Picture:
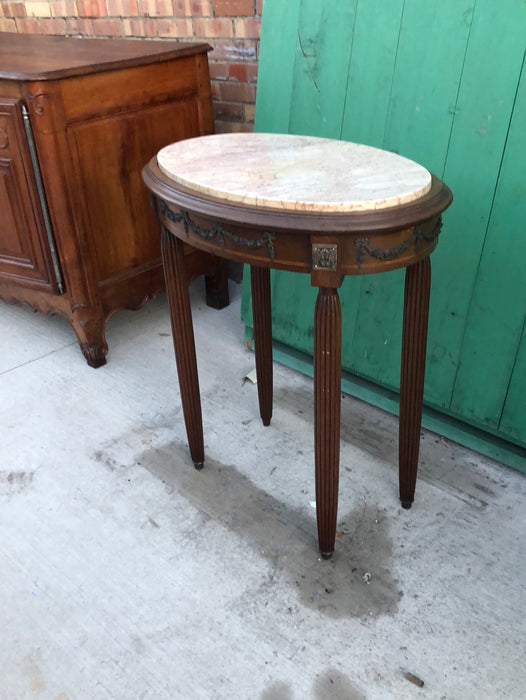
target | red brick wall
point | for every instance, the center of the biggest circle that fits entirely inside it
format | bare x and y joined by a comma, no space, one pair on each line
232,27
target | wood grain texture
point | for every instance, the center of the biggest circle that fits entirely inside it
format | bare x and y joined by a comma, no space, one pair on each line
262,315
184,343
327,397
414,338
47,57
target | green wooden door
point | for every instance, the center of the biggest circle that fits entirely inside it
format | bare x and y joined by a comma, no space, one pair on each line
443,84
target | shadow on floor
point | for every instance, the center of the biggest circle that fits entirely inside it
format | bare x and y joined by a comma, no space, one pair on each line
355,582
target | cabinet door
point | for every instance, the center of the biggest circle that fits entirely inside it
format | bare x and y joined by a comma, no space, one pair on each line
111,152
25,255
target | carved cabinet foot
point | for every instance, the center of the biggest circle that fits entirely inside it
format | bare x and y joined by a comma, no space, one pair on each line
89,327
215,270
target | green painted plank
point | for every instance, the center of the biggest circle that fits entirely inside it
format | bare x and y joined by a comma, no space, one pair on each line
350,293
497,311
484,107
371,71
377,336
448,108
424,88
429,60
481,441
293,301
513,420
246,300
323,50
276,65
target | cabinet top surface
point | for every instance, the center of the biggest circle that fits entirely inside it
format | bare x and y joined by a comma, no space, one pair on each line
294,173
45,57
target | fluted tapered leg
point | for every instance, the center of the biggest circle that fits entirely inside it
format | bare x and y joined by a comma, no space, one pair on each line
414,339
327,398
262,315
184,344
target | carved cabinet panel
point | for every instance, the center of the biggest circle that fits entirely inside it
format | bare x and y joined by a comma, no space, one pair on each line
24,252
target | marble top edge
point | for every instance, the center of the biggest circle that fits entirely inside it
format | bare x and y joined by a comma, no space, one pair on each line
294,173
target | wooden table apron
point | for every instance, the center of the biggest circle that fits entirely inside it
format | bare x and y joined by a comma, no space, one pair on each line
328,247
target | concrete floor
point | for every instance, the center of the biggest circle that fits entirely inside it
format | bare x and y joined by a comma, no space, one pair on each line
127,574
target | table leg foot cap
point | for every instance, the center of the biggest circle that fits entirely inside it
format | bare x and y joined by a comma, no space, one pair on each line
406,504
199,465
326,555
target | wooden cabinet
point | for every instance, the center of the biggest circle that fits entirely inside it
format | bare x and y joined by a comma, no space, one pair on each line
78,120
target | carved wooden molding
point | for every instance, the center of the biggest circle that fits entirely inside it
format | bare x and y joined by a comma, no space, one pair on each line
418,235
218,232
38,102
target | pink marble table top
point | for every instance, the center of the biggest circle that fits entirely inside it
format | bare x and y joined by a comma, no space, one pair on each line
294,173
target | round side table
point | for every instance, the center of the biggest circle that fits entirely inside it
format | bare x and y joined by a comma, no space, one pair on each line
316,206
